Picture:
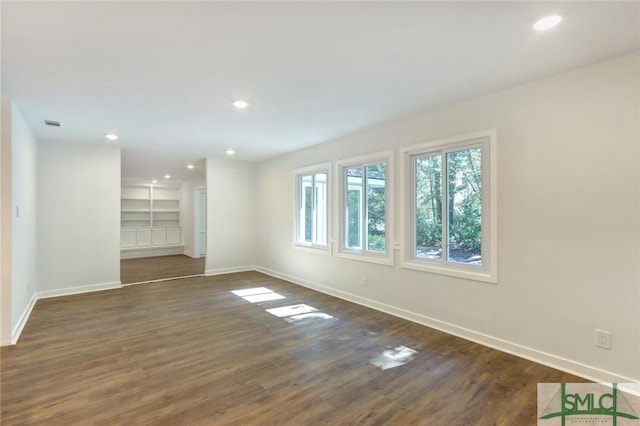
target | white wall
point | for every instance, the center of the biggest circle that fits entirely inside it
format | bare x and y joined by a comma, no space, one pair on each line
5,224
24,251
187,213
78,217
569,192
230,216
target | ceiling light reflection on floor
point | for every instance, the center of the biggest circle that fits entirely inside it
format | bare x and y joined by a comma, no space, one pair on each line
394,357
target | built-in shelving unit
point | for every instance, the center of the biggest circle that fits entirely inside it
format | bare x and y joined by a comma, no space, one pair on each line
150,220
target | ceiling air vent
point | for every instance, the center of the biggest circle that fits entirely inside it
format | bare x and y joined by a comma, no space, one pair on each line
52,123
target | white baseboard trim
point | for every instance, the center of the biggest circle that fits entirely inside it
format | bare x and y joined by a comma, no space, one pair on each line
22,321
151,251
80,289
576,368
164,279
231,270
191,255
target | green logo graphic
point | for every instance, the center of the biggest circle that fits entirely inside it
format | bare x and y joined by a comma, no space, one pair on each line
588,404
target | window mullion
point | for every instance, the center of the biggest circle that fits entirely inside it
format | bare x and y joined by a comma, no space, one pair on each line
444,180
345,208
365,210
414,213
314,211
360,211
346,216
300,214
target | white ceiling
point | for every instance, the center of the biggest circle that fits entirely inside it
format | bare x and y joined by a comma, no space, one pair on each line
163,74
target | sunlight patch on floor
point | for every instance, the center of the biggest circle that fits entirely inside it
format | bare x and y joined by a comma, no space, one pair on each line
292,313
308,316
287,311
258,294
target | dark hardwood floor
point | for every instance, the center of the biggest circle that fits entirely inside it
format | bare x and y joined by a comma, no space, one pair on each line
191,352
160,267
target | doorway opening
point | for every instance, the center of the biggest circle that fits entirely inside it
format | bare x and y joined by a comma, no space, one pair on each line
163,227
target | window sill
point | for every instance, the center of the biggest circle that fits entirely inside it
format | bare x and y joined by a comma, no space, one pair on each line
313,249
371,258
465,273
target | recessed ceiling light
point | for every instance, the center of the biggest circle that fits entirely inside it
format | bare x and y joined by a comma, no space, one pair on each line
230,152
167,176
190,166
547,22
240,104
111,136
154,181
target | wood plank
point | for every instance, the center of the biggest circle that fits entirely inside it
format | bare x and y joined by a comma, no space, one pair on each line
159,267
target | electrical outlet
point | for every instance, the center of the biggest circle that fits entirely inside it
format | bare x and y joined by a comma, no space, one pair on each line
603,339
365,281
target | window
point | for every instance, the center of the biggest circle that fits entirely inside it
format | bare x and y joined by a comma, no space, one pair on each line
312,207
451,207
364,215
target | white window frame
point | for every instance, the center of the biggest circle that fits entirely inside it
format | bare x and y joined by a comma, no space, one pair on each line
488,271
362,254
305,171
